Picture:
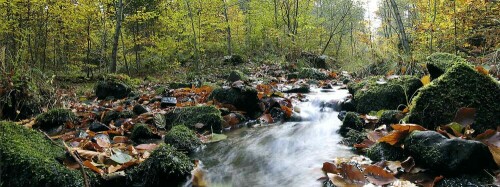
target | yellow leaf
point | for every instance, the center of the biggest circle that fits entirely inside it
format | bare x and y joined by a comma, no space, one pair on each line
481,70
426,79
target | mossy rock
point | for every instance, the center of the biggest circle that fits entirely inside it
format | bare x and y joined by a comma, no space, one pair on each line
182,138
461,86
28,158
236,75
438,63
116,90
311,73
209,116
391,117
387,95
244,99
234,59
351,121
481,178
114,115
448,156
166,165
353,137
55,118
23,101
141,132
385,152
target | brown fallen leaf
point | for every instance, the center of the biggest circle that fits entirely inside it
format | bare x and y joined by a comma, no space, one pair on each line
339,181
92,167
87,154
147,147
352,173
408,127
120,139
465,116
394,137
267,118
329,167
378,175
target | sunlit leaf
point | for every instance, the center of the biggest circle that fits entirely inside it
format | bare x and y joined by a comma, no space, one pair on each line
426,79
482,70
92,167
408,127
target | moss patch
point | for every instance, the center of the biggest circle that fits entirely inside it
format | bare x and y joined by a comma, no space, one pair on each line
236,75
29,159
55,118
384,151
461,86
311,73
244,99
165,166
351,121
437,63
209,116
182,138
141,131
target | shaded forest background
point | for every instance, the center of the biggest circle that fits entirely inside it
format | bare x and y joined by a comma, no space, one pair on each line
144,37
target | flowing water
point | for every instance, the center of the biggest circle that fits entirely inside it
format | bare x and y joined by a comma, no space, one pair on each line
289,154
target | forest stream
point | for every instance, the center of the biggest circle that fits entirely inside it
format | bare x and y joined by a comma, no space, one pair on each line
287,154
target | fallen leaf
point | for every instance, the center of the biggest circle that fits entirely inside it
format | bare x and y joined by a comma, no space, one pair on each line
378,175
339,181
120,139
215,138
426,79
394,137
482,70
146,146
408,164
288,111
92,167
465,116
408,127
329,167
87,154
352,173
267,118
495,151
120,157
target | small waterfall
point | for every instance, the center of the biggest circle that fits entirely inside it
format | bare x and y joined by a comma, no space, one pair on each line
289,154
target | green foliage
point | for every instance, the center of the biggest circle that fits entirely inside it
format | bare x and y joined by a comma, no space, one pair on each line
461,86
182,138
30,159
54,118
165,166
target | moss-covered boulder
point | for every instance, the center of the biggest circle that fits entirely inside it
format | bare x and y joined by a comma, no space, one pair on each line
351,121
461,86
200,118
312,73
353,137
55,118
385,152
28,159
112,88
236,75
438,63
391,117
244,99
234,59
481,178
182,138
165,166
448,156
141,132
386,94
22,100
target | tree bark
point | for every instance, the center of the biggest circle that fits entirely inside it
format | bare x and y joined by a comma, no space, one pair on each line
228,29
195,44
116,36
401,28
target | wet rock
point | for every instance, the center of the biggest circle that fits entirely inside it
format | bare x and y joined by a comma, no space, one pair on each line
182,138
236,75
277,114
481,178
109,88
28,158
244,99
351,121
385,152
141,132
234,60
379,93
391,117
168,101
353,137
438,63
449,156
312,73
209,116
303,88
54,119
461,86
342,115
317,61
98,127
140,109
115,115
166,165
348,105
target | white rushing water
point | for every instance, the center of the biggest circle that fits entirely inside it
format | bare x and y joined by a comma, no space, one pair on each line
289,154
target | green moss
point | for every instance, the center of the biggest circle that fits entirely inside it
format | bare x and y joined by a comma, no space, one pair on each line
481,178
28,159
236,75
164,166
353,137
384,151
55,118
390,95
461,86
182,138
190,116
312,73
244,99
391,117
141,131
114,115
351,121
438,63
353,87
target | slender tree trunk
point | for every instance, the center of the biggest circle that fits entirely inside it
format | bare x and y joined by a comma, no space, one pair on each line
455,26
401,28
124,51
195,44
116,36
228,29
334,29
136,48
88,47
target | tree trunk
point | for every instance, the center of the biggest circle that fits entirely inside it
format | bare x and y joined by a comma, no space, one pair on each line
116,36
195,44
333,31
124,54
228,29
401,28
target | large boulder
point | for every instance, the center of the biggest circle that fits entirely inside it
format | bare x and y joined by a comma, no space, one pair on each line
461,86
142,132
21,100
351,121
236,75
438,63
54,119
448,156
165,166
244,99
28,158
481,178
317,61
199,118
311,73
182,138
109,88
382,151
371,95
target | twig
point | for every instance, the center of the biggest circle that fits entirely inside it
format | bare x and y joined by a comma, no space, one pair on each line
85,177
48,137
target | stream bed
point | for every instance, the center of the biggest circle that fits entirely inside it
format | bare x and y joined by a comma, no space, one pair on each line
289,154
